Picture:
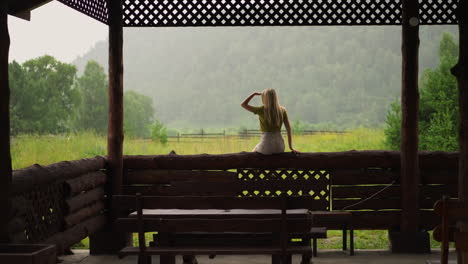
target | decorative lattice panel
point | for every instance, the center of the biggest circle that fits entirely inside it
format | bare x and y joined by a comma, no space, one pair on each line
438,11
45,217
314,183
96,9
180,13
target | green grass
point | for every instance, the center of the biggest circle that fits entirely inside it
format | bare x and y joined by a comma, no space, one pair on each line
31,149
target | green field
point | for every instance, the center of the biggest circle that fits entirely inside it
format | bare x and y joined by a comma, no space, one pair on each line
29,149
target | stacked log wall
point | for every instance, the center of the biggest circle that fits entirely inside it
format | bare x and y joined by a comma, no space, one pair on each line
60,204
353,176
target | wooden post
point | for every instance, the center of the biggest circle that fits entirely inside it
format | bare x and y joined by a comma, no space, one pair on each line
115,126
107,241
461,72
408,238
5,156
410,117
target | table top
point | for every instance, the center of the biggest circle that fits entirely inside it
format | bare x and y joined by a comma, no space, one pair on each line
220,213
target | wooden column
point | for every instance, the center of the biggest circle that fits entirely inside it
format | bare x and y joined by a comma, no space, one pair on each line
409,239
108,241
5,157
410,117
115,125
461,72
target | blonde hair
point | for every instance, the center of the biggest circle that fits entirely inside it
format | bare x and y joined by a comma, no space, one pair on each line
273,110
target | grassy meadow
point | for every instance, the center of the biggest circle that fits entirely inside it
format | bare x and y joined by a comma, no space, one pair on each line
31,149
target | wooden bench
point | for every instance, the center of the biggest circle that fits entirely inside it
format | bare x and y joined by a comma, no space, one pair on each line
453,212
280,225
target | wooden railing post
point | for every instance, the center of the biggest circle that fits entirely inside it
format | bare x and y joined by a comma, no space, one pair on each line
5,156
461,72
108,241
408,238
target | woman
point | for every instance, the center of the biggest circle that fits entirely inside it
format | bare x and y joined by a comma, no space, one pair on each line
271,116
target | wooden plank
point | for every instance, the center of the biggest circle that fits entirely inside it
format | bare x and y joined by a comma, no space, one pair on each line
223,188
341,192
30,177
5,160
438,191
217,250
80,201
439,176
115,134
78,232
212,225
349,159
323,160
372,204
363,176
198,202
215,202
84,213
165,176
379,204
85,182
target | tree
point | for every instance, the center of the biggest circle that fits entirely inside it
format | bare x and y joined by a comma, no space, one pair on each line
138,114
439,117
43,97
92,114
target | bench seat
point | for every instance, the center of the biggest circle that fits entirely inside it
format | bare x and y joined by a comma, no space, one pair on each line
215,250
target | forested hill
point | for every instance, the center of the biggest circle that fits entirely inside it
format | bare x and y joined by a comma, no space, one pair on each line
198,76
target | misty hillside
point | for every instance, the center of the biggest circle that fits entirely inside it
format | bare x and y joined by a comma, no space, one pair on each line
198,76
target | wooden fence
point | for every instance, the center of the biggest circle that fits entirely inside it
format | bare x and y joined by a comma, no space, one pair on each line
243,134
354,177
59,204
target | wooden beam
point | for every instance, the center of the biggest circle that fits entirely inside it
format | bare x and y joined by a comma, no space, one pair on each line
461,72
5,156
410,115
115,126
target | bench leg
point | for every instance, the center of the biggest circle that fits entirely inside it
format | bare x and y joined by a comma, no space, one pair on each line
142,259
306,259
275,259
286,259
345,238
167,259
189,259
314,247
351,242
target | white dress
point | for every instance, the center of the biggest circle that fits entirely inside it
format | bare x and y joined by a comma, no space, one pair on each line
270,143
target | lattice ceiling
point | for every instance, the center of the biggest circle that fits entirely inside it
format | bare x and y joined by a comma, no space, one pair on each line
202,13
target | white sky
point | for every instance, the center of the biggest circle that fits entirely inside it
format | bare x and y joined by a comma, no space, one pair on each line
56,30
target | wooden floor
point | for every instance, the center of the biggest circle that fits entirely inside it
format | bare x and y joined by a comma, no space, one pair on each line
325,257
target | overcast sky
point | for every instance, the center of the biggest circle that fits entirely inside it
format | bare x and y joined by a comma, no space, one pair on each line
54,29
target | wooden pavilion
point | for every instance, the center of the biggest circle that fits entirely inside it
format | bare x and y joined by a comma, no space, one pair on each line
72,191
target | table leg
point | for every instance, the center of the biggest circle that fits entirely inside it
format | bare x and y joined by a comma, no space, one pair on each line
314,247
351,242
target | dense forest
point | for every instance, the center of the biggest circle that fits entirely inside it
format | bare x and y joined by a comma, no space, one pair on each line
197,77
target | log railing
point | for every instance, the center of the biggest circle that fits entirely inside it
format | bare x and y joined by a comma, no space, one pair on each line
351,177
60,204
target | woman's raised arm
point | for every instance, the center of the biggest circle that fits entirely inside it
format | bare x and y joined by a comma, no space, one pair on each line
245,103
